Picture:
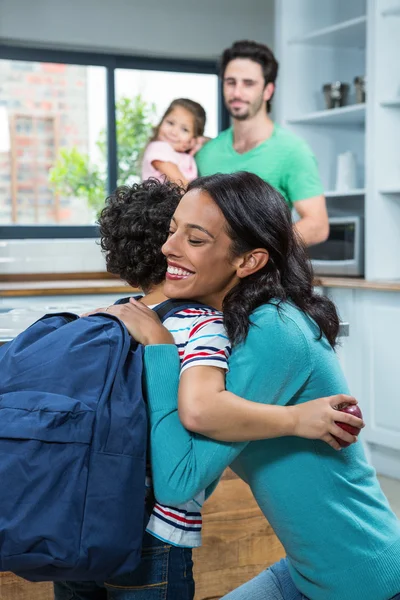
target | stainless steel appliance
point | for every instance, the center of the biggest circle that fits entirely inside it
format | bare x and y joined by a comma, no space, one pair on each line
343,251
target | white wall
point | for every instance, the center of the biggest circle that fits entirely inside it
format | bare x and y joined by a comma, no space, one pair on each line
169,28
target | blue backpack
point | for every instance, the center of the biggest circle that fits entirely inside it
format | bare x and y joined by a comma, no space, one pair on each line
73,438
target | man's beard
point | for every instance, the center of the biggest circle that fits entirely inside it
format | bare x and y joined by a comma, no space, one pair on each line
252,110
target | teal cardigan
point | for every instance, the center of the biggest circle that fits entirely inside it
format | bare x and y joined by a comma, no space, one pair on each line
341,538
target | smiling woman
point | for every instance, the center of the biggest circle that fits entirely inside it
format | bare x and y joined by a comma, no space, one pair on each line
199,261
232,241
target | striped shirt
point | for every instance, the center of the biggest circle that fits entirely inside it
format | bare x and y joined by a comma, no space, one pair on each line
201,339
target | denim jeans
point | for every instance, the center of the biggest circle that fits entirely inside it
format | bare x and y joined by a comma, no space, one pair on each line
274,583
164,573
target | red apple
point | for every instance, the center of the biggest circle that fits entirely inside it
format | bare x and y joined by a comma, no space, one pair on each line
351,409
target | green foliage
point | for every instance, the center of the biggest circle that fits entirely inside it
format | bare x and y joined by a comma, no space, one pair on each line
134,123
73,173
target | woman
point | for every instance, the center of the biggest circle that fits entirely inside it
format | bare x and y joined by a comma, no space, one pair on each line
232,241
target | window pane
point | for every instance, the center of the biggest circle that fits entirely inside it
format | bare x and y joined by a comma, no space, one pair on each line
142,97
52,143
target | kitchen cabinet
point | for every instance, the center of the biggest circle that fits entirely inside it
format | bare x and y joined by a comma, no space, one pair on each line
319,42
370,360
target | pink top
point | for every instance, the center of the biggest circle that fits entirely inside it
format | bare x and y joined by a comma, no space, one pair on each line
163,151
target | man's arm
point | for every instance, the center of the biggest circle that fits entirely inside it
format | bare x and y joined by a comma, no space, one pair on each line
313,225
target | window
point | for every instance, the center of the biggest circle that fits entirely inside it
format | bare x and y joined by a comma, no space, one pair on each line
49,147
59,117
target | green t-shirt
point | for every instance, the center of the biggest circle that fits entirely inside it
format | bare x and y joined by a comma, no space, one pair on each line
284,160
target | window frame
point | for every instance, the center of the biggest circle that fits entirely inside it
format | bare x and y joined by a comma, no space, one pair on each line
111,62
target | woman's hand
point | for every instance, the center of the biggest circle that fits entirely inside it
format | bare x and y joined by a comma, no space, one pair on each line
142,323
316,420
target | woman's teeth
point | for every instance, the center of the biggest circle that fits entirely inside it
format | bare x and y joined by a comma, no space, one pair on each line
176,271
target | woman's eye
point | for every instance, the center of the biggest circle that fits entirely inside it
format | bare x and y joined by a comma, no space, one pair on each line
170,232
196,242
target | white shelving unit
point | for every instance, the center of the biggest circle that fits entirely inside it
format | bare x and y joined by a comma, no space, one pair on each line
342,117
349,34
359,192
393,191
394,103
393,11
320,42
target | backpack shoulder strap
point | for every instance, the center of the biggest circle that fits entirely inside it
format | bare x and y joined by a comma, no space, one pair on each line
126,300
169,307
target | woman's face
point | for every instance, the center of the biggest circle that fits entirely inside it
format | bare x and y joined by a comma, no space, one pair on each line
200,264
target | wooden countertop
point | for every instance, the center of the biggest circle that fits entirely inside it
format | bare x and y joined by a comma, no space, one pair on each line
107,285
65,287
358,284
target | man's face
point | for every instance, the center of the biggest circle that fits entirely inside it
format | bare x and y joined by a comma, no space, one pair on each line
245,92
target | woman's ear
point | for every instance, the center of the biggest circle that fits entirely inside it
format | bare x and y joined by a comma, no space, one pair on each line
251,262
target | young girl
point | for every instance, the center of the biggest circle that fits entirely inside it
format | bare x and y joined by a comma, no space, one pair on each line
168,152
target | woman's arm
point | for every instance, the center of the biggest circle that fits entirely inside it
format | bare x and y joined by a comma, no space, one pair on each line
171,171
183,463
267,369
205,407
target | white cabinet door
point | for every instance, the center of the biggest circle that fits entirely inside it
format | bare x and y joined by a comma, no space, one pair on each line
381,365
348,348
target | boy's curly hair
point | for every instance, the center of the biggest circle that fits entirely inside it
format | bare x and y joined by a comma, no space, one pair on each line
134,226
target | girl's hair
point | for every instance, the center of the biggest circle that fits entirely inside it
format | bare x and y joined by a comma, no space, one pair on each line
134,226
196,110
257,216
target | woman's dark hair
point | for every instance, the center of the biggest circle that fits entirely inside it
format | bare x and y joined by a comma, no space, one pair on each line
257,216
133,227
195,109
256,52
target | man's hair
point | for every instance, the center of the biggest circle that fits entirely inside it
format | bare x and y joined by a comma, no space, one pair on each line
259,53
134,225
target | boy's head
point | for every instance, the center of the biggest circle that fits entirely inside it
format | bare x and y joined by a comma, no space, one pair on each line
133,227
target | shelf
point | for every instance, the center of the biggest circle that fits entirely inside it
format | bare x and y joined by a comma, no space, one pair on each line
391,12
390,191
347,194
348,34
394,103
346,116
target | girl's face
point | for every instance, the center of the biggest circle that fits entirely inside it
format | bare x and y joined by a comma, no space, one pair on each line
198,251
178,129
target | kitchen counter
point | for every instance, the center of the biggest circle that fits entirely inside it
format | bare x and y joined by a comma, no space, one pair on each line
65,287
358,283
107,285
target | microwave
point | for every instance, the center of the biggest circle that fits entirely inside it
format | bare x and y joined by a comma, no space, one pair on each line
342,254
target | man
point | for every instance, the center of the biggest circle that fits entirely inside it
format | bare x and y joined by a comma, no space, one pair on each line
255,143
